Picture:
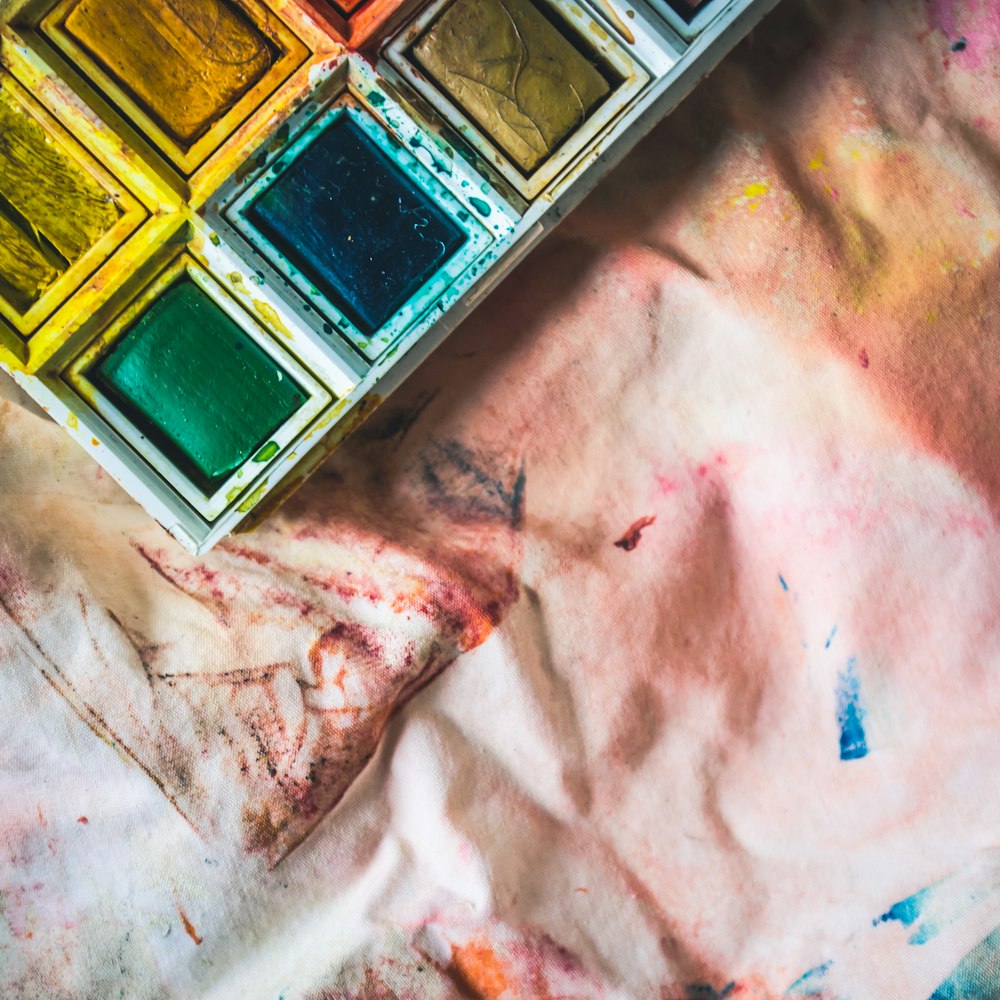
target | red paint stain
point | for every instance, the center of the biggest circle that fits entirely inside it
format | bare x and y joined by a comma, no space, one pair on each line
631,538
189,928
83,820
863,357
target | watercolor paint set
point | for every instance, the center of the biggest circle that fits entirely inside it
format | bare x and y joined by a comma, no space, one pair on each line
229,228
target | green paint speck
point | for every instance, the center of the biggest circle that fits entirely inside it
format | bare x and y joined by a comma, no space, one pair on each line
482,207
267,452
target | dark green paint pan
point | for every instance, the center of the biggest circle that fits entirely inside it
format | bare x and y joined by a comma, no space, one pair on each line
197,386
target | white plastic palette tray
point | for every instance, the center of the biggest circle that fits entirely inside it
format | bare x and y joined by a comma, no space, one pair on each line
649,55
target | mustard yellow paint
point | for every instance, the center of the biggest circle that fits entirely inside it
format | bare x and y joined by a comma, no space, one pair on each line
252,500
270,316
51,212
525,84
187,61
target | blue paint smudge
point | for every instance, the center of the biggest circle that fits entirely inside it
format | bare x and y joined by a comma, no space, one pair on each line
482,207
977,976
808,984
850,714
702,991
781,580
924,933
906,911
829,638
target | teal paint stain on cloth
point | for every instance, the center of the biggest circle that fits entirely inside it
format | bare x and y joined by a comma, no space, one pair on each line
851,714
977,976
810,984
924,933
906,911
938,906
782,581
829,638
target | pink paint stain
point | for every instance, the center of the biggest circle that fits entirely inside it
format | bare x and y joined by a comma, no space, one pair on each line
972,27
665,485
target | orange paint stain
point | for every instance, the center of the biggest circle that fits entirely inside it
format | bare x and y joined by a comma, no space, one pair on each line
480,969
189,927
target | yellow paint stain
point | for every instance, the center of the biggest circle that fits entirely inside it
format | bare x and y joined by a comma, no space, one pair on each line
269,315
614,16
72,422
817,162
861,247
932,316
251,501
751,196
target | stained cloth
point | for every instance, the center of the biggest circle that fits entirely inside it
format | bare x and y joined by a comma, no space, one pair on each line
644,645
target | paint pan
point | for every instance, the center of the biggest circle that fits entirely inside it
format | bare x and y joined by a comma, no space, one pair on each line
367,218
185,74
61,216
528,83
196,387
